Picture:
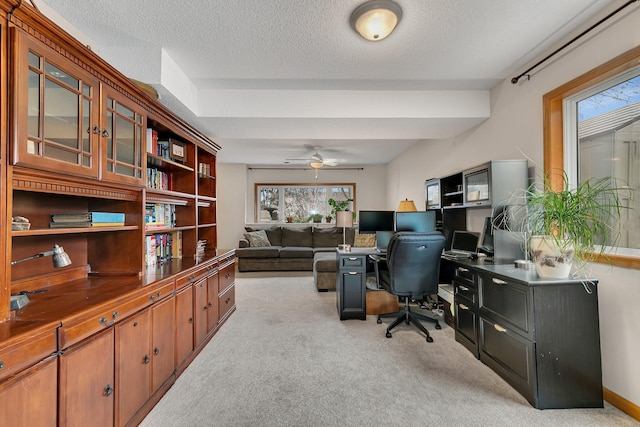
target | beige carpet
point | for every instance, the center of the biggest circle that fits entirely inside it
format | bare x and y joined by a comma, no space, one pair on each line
285,359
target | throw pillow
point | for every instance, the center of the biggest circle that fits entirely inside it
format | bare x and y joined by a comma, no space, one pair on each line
257,239
364,240
274,234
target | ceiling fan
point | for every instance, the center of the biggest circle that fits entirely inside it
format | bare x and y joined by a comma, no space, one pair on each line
316,161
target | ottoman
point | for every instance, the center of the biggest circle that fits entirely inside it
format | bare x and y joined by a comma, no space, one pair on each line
324,271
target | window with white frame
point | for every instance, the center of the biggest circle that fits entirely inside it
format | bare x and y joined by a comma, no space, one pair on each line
602,138
299,203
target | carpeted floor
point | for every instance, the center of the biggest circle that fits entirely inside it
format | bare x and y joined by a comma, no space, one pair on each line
285,359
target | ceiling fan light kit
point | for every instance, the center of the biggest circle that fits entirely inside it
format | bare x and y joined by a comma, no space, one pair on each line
376,19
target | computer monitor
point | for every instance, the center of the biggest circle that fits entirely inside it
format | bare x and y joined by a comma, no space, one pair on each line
371,221
486,241
421,222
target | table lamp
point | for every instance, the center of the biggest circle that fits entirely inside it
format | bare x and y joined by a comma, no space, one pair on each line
344,219
407,205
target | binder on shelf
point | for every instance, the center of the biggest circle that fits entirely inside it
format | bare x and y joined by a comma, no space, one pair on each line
89,217
84,224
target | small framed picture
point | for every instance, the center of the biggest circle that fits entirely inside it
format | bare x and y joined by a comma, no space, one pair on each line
177,151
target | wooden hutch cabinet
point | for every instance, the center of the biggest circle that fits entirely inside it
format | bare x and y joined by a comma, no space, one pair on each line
102,339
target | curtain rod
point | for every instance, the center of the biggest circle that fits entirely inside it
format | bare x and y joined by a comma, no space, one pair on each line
515,80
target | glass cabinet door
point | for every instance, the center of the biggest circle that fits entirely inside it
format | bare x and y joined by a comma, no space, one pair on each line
59,101
122,137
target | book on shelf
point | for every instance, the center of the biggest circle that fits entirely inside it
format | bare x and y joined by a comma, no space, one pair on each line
159,180
84,224
162,247
152,141
159,215
89,217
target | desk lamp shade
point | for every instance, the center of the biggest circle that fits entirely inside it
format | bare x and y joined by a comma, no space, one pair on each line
407,205
344,219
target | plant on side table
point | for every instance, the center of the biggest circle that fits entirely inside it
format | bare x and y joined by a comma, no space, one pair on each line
573,225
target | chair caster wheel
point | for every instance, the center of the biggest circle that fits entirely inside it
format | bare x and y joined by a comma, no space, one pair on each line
388,335
379,321
429,339
438,326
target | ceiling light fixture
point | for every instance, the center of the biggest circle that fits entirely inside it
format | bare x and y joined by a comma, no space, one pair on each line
316,165
376,19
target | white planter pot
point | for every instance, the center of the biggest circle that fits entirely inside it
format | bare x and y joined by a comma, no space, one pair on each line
552,261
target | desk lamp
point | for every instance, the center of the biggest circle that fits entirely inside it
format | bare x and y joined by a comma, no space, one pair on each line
60,259
344,219
407,205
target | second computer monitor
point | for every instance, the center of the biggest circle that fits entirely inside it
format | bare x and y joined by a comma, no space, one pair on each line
420,222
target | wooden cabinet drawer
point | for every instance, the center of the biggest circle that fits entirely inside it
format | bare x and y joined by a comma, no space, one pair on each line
194,275
510,355
226,276
466,276
465,291
78,329
20,356
226,301
507,302
352,262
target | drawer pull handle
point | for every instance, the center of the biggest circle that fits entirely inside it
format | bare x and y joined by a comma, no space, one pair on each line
498,281
353,272
462,306
463,288
463,270
159,293
499,328
352,258
152,298
105,323
108,390
1,364
115,314
228,275
227,300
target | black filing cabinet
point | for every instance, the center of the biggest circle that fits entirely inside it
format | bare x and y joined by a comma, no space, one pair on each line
351,284
541,336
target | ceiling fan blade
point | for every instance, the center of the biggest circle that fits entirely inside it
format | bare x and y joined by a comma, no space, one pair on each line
330,163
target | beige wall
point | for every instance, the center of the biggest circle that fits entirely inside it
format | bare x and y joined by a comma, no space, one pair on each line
516,125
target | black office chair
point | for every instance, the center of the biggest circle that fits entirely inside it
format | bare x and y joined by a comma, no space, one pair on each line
413,269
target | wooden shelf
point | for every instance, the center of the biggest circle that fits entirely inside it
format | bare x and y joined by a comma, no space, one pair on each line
166,164
72,230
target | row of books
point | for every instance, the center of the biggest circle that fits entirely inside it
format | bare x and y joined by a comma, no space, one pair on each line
159,180
200,248
162,247
87,219
159,215
204,169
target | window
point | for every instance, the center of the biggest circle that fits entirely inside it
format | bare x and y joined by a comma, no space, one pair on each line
298,202
586,124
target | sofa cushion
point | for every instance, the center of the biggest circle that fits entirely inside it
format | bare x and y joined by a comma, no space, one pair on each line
296,252
257,239
261,252
327,237
274,234
297,237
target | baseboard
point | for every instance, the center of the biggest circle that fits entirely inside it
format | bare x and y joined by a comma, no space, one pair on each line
621,403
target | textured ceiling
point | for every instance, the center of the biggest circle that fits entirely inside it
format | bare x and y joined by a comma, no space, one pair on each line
267,79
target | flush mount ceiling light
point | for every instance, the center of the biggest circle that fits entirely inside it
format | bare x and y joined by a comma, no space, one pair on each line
375,19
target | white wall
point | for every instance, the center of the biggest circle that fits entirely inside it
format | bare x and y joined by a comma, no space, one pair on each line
516,124
236,187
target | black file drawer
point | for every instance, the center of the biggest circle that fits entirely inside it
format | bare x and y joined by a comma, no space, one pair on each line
466,291
466,276
353,262
466,320
510,356
506,303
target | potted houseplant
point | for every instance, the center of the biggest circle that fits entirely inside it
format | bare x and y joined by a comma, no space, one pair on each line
316,217
573,225
339,206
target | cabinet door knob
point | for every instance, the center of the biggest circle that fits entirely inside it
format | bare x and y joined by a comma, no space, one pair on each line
146,359
108,390
156,351
498,281
191,320
1,364
96,129
105,133
499,328
210,305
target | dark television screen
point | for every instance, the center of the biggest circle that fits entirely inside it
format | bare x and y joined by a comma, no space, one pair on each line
371,221
420,222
